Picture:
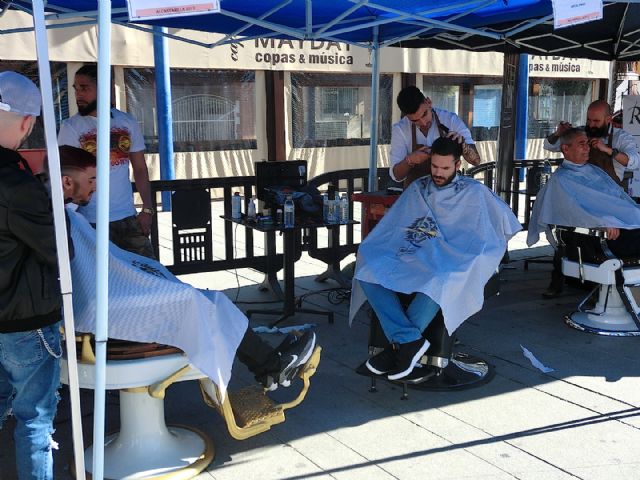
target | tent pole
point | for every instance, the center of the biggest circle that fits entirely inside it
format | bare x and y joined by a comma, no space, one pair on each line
102,233
375,88
163,107
522,108
62,245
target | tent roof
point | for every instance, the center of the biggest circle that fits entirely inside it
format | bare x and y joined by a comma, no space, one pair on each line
482,25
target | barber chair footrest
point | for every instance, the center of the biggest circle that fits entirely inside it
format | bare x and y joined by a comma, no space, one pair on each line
249,411
463,371
605,324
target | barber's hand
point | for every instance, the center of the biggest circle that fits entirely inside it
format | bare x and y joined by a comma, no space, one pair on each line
418,156
145,220
562,127
612,233
456,137
600,145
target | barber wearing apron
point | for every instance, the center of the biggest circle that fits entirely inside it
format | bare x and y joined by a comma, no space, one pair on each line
412,136
612,149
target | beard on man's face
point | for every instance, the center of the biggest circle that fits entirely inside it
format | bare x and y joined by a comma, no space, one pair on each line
88,108
597,132
444,181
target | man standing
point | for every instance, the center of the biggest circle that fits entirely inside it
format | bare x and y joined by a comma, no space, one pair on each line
412,136
610,148
442,240
30,299
128,230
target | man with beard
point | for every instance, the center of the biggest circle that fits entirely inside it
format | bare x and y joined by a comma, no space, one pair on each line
611,148
30,299
413,135
442,240
127,229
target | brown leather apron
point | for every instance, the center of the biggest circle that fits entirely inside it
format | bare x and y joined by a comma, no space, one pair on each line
604,161
422,169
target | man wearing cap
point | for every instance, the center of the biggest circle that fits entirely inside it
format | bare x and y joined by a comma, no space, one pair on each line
128,229
30,300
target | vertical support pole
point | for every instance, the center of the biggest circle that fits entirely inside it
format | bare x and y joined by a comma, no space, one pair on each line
102,232
522,109
164,113
506,139
375,92
274,89
62,245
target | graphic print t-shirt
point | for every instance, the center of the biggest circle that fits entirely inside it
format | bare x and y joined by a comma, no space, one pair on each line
126,136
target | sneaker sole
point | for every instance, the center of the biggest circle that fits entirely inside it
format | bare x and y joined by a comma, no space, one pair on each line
372,369
412,365
292,369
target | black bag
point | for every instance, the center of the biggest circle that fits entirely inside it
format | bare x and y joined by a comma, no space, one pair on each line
307,200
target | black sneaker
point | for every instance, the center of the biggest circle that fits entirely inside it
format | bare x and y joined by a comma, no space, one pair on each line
408,355
294,353
383,362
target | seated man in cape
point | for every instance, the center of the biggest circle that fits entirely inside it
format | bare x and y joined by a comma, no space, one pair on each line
149,304
442,240
579,194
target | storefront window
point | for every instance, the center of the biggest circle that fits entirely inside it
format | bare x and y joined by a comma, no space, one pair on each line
212,110
60,100
552,100
476,100
335,110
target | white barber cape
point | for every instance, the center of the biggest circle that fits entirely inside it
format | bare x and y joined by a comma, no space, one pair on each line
581,196
444,242
147,303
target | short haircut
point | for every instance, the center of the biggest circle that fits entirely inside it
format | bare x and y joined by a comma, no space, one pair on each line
446,146
75,159
603,104
409,100
89,70
569,136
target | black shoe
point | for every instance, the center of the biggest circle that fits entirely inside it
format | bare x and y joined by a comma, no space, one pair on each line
294,353
408,355
552,292
383,362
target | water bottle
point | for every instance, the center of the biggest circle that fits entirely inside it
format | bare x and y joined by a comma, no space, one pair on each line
236,206
251,209
344,209
289,212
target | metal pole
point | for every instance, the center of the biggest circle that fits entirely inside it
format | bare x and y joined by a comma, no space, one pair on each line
62,246
522,109
375,89
102,232
164,113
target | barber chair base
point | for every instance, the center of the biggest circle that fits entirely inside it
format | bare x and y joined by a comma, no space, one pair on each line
608,317
145,448
462,371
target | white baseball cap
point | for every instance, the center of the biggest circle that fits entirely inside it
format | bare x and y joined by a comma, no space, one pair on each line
18,94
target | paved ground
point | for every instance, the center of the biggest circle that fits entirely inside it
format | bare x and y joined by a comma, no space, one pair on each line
579,421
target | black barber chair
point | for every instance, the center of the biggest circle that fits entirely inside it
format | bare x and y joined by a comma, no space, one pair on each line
441,368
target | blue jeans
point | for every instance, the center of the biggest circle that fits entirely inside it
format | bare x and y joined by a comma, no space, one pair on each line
400,325
29,381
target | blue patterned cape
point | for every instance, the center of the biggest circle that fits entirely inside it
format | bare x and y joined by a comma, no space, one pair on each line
444,242
581,196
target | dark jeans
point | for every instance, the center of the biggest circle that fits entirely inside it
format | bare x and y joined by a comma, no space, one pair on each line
627,244
257,355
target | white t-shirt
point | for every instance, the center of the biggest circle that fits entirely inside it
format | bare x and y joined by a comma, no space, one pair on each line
126,136
401,136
